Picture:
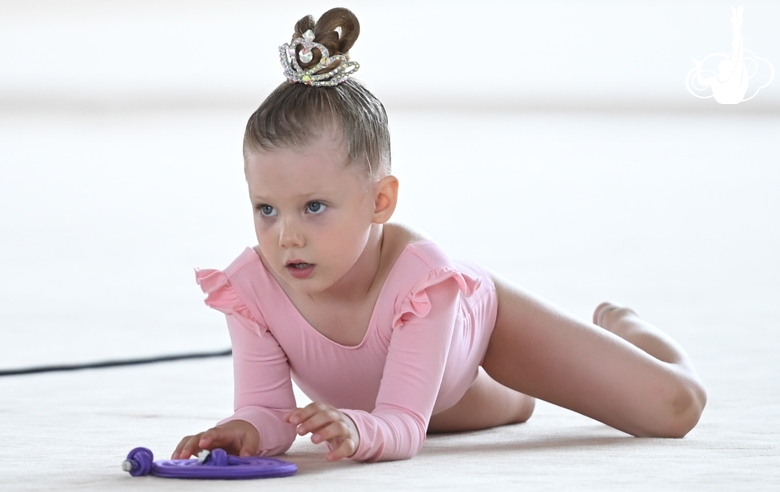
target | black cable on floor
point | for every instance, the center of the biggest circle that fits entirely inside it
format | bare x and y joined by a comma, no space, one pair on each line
113,363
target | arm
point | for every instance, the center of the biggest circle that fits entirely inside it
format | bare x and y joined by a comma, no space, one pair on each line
263,391
263,395
413,371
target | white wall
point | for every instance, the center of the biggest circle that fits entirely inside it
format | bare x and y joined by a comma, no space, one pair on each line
491,53
103,213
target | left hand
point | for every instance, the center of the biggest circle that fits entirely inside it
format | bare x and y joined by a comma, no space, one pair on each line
326,424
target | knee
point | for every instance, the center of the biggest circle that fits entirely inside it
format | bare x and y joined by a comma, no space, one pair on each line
681,414
688,413
525,409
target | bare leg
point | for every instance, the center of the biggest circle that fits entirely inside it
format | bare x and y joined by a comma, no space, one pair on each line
486,404
630,375
626,324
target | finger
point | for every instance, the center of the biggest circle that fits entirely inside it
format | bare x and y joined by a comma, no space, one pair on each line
219,437
288,416
210,438
179,447
318,421
301,414
345,449
248,446
331,432
189,446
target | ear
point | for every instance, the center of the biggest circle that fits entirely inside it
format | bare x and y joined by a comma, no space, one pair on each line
385,198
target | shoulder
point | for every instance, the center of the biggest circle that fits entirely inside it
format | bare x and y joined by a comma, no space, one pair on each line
247,258
401,242
425,270
397,239
417,260
210,279
404,234
245,276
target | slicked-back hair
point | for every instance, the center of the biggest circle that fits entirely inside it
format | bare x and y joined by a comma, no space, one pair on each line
295,115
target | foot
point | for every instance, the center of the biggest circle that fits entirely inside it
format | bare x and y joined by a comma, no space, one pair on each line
616,319
626,324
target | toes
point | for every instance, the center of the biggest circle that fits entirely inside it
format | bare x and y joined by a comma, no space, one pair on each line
607,313
600,310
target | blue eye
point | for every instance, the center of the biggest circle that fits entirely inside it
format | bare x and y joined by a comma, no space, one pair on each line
315,207
266,210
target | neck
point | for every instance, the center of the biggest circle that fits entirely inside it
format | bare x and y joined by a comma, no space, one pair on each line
355,285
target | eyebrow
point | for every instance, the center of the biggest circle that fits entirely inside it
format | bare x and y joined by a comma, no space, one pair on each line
301,195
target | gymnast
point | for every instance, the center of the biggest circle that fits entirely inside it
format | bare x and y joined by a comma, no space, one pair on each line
389,337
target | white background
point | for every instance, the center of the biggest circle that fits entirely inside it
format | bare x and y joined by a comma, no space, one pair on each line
435,53
120,159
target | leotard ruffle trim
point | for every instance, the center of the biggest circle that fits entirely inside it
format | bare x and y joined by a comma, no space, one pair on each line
417,302
221,296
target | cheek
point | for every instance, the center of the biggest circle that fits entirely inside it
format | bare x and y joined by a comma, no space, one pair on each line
259,225
263,231
355,237
336,235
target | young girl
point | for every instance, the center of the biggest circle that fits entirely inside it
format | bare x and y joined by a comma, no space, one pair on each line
382,330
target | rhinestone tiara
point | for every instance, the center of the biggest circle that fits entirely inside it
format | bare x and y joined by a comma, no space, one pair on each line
343,68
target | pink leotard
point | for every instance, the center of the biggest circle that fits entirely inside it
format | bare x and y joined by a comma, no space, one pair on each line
427,335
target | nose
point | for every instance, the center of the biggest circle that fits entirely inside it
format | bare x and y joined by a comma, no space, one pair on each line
291,235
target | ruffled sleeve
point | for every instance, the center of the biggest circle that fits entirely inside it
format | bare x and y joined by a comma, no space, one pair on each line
263,391
422,333
417,302
221,296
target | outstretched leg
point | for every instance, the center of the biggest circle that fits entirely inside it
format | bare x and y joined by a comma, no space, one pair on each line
628,375
626,324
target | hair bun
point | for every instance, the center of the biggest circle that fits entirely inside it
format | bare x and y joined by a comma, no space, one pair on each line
337,30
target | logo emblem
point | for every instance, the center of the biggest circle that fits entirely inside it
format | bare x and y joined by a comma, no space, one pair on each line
727,77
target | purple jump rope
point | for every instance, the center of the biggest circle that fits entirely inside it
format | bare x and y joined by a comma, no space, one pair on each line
210,464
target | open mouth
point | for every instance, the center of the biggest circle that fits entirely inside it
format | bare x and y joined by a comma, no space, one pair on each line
300,269
300,265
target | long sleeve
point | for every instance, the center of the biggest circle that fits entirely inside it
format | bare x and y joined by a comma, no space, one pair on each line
263,389
412,376
389,385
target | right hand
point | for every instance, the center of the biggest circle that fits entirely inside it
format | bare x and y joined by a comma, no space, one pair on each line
237,437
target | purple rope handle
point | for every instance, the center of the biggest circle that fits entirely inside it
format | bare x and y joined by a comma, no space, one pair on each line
139,462
219,457
216,464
